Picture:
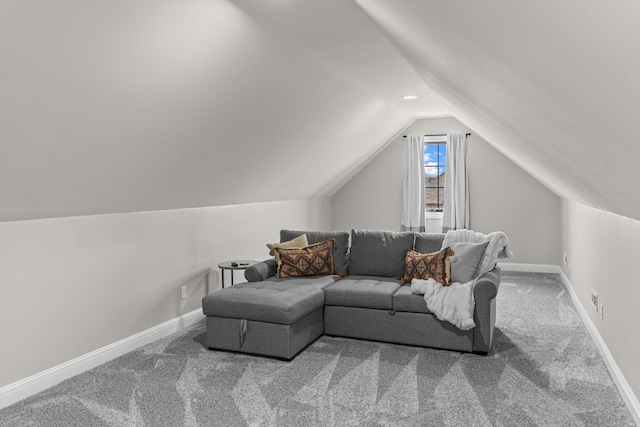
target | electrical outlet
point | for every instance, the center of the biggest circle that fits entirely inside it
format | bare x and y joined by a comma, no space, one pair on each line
183,292
602,311
594,299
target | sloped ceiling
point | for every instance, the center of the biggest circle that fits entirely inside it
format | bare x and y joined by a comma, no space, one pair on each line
340,33
554,85
133,105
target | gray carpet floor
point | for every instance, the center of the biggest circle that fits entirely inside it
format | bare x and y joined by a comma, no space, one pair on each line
544,370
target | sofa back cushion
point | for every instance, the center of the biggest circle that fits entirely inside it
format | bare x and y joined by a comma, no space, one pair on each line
340,249
426,243
379,253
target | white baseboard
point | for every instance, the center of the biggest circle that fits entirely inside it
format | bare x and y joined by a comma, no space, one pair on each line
36,383
529,268
618,378
623,386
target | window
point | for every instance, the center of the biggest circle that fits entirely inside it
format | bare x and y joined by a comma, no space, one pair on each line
435,163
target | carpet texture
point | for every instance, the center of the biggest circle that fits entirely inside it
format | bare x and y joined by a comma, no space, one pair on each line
544,370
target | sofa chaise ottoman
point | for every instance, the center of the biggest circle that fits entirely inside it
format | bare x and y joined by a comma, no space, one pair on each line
277,319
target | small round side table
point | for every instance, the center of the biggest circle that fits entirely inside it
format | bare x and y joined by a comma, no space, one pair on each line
240,264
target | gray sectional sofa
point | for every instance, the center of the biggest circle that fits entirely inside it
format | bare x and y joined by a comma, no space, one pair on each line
280,317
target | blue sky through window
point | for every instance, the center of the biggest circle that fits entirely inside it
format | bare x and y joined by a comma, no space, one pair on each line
435,159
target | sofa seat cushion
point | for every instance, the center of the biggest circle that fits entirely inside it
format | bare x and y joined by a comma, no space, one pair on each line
362,291
320,282
405,300
379,253
273,302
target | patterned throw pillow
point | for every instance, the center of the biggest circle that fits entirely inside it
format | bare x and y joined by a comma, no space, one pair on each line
298,242
436,265
312,260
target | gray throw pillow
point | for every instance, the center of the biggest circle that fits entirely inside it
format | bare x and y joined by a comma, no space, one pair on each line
467,260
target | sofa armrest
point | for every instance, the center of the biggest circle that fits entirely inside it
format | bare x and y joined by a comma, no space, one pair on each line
488,284
261,271
485,292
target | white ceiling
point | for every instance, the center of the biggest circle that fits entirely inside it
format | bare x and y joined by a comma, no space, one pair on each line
133,105
553,85
343,35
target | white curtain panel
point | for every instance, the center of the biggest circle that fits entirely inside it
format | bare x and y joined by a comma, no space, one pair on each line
455,213
413,215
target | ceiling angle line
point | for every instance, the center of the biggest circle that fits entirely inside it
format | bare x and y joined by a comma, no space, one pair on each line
438,134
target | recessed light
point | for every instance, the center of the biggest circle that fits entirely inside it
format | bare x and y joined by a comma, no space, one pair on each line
408,97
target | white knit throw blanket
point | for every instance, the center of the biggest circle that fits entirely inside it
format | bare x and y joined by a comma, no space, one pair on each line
455,303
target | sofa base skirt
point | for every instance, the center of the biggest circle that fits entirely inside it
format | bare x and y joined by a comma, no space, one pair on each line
418,329
263,338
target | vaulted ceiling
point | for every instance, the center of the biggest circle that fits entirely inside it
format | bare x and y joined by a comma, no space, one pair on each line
132,105
553,85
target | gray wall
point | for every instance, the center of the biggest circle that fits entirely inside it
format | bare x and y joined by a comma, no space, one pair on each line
73,285
603,249
503,196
